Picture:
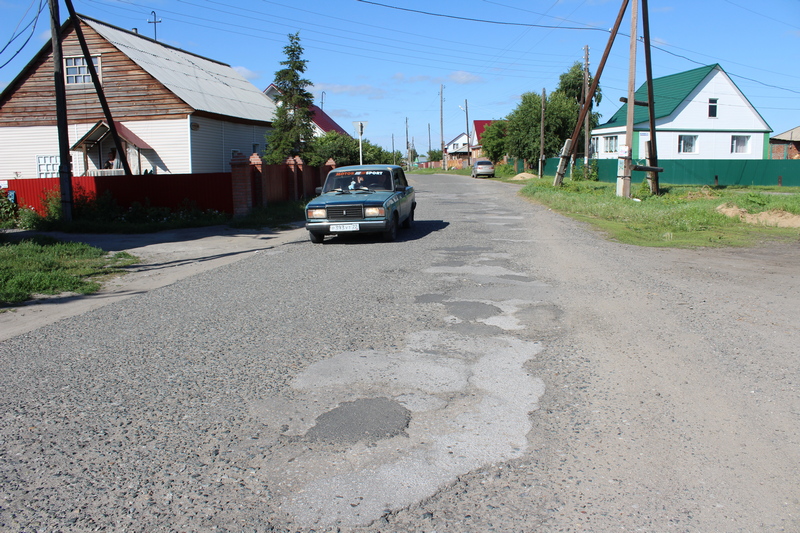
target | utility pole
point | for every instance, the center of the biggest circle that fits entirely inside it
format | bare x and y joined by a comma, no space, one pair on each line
429,137
154,22
469,146
652,152
541,135
586,102
101,95
394,154
625,163
65,164
441,124
408,149
584,109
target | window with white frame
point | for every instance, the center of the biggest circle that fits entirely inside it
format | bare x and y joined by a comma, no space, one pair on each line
712,107
687,144
47,166
593,146
76,70
740,144
610,143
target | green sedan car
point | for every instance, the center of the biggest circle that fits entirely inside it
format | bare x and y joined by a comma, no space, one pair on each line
361,199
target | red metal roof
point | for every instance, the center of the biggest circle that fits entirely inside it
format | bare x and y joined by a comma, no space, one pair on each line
479,127
325,122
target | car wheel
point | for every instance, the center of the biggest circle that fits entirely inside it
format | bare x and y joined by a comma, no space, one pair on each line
390,235
316,238
407,223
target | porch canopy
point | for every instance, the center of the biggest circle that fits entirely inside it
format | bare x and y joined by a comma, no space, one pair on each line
100,132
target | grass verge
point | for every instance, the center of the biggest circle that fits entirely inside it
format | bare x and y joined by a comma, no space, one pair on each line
44,265
684,216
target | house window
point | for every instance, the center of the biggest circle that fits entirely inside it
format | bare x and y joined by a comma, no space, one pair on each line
712,108
610,144
687,144
740,144
77,71
47,166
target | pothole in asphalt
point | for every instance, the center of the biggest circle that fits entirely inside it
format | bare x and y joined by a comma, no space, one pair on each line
364,419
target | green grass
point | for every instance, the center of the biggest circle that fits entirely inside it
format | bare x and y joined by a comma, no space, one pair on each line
43,265
684,216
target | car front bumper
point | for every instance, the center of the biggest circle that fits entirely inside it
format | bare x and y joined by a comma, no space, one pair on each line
327,227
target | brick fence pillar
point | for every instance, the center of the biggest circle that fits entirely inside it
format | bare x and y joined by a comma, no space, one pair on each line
241,184
259,181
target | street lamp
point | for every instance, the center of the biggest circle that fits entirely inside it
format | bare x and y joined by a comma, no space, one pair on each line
465,109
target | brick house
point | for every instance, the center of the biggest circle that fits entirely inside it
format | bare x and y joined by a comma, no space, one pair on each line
785,145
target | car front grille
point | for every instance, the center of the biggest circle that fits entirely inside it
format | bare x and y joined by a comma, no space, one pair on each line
347,212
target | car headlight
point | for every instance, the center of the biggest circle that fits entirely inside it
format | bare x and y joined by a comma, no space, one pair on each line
316,213
374,212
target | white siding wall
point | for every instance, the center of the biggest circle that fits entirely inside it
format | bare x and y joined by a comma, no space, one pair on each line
170,142
734,112
213,142
22,145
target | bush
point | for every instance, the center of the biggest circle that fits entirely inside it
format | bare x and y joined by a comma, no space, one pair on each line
8,211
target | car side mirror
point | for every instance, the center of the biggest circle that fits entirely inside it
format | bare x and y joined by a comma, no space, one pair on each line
318,190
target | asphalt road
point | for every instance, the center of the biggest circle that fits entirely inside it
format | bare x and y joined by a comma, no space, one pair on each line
499,368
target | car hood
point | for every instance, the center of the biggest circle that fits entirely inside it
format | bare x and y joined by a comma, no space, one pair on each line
360,197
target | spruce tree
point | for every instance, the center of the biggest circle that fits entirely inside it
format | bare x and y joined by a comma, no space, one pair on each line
292,131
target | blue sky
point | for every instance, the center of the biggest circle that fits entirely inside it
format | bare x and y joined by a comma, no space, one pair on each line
371,61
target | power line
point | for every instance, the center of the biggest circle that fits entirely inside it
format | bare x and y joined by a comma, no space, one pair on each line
14,37
485,21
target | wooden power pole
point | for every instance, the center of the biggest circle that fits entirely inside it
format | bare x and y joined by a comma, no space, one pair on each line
586,130
569,145
625,164
65,163
541,135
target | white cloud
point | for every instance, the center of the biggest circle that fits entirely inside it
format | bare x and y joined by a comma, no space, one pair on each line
340,113
402,78
373,93
463,78
247,73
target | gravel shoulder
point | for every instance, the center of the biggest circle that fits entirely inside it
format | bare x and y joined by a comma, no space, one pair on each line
165,257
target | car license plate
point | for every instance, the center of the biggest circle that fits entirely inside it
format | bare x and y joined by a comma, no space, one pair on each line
344,227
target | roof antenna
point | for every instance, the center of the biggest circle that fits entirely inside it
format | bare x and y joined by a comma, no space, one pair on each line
154,22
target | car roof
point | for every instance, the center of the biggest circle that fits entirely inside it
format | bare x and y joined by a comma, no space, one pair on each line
366,167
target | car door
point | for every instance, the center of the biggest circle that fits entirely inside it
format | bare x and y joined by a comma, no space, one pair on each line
404,198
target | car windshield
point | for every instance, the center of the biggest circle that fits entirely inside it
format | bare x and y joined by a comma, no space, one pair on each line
484,163
356,180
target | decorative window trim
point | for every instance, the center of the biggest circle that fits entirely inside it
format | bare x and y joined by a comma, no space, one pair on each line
76,71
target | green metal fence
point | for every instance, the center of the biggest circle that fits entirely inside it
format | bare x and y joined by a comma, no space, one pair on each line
706,171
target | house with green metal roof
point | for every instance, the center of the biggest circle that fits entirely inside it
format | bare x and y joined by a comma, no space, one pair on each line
700,114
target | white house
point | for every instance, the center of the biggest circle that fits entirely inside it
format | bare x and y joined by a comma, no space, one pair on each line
458,147
700,114
176,112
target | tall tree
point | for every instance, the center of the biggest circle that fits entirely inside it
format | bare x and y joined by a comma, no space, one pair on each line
571,84
493,140
292,130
